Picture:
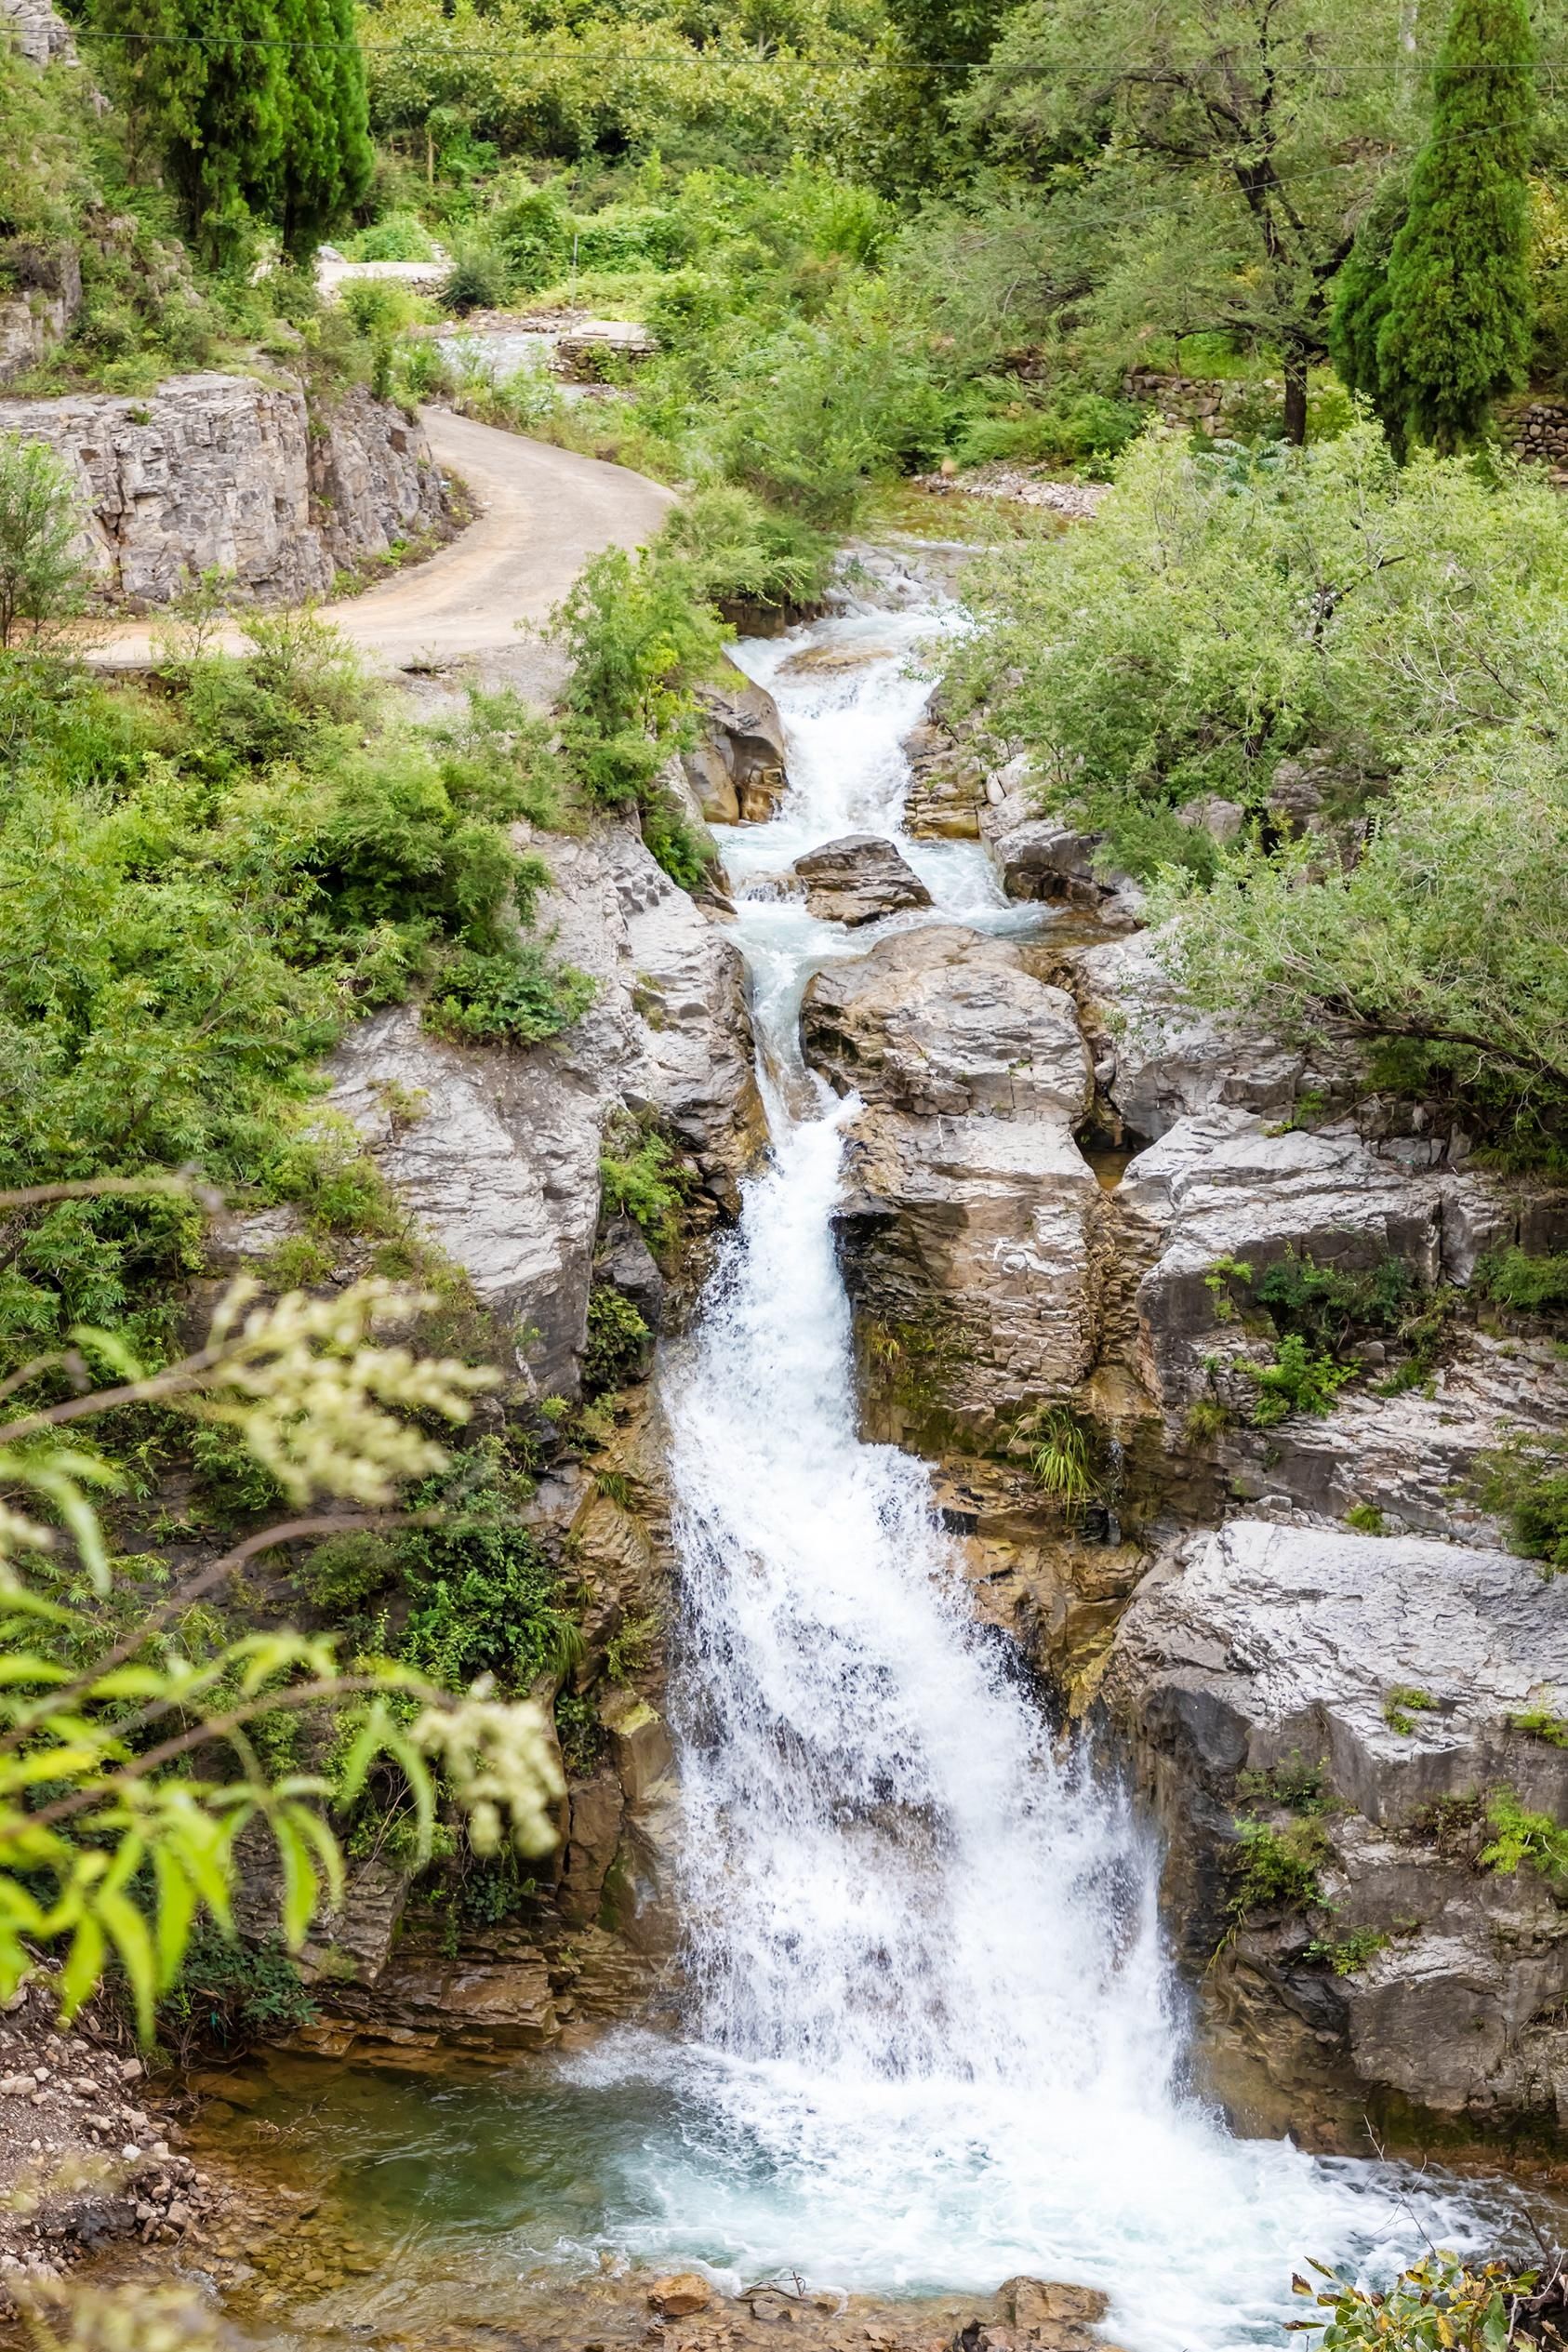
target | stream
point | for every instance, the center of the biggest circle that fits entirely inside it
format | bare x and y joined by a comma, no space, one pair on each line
933,2038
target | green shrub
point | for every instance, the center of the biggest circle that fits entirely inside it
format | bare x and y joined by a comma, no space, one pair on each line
1539,1722
518,997
1526,1479
534,230
229,1995
643,1180
1519,1837
482,1595
741,552
1297,1381
1061,1457
1301,1786
397,236
1347,1955
42,581
478,277
1514,1278
618,1341
1438,2306
1403,1704
1366,1519
1277,1869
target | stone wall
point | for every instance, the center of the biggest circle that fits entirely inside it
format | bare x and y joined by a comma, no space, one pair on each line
1540,433
228,473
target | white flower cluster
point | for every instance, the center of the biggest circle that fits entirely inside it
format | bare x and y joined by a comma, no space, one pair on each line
317,1401
500,1758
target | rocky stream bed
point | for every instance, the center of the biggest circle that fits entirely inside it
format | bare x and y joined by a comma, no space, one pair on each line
894,1942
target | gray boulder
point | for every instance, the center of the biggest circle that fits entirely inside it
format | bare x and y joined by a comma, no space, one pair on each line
858,879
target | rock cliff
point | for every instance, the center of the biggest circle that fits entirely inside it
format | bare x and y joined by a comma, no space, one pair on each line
229,474
1374,1709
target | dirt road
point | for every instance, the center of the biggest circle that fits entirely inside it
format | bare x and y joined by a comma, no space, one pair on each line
542,513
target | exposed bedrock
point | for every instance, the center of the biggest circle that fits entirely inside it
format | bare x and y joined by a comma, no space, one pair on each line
496,1150
737,770
858,880
972,1238
228,473
1359,1699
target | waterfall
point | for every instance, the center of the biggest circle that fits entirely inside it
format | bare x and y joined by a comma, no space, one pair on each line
933,2037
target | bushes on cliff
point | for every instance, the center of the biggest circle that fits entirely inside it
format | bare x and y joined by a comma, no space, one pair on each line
205,883
1369,661
1231,611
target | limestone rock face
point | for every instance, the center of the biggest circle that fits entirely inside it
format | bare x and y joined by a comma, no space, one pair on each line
1158,1062
1222,1184
222,473
858,879
38,31
972,1238
946,1020
1281,1652
738,772
498,1156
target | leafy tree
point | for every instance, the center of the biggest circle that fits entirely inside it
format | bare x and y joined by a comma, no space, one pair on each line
1361,306
1232,149
1442,949
1459,326
40,562
325,160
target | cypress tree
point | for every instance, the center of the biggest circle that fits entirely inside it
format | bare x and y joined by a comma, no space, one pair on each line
1361,306
1457,329
326,159
207,80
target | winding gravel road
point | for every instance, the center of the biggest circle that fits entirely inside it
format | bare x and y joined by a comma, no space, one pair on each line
541,513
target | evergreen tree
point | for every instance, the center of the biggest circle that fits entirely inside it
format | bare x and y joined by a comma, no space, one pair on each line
1361,305
206,78
1459,324
326,158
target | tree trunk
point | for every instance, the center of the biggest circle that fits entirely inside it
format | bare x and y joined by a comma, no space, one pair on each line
1295,399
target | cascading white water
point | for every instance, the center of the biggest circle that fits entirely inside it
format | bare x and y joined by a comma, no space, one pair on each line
935,2040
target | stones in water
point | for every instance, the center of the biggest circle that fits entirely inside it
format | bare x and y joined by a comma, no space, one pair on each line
737,770
860,879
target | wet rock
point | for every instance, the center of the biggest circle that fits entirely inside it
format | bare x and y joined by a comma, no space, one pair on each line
943,1021
738,771
946,785
1278,1652
596,1813
971,1240
679,2297
858,879
1036,2302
